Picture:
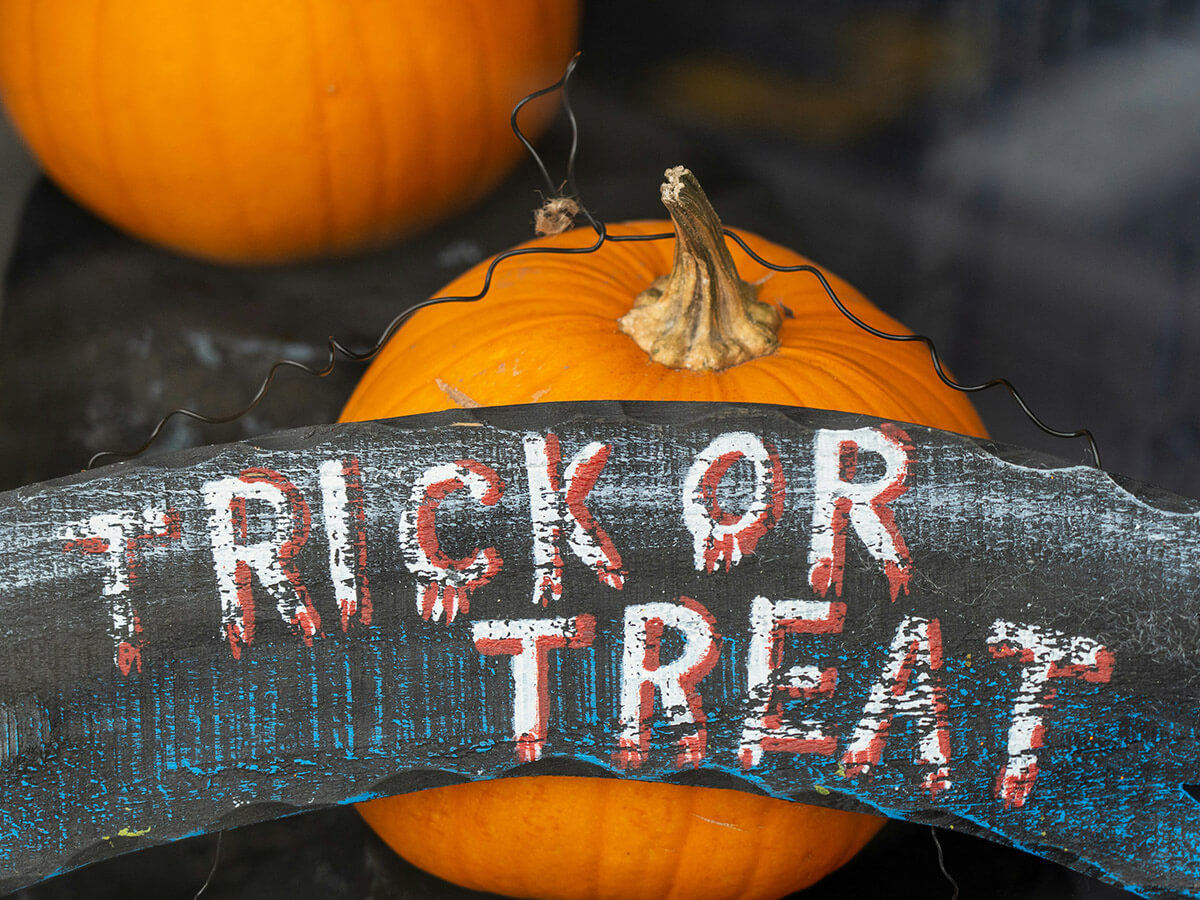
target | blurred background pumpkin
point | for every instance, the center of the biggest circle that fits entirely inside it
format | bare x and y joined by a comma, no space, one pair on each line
269,130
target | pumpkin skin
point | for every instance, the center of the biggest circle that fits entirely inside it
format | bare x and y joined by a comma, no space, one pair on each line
563,838
254,131
547,330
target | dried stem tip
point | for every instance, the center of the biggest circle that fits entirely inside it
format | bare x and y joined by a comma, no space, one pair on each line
701,316
555,216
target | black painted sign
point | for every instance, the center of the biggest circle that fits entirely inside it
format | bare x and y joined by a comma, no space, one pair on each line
825,607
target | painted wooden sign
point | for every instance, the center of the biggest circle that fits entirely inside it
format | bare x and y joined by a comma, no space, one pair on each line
820,606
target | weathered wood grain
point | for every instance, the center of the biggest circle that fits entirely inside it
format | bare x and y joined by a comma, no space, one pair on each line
825,607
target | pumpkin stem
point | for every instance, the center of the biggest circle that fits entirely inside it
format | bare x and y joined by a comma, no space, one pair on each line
701,316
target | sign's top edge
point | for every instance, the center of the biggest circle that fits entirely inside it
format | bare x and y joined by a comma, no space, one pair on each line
532,416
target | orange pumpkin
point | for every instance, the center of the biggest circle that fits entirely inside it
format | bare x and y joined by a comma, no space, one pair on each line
266,131
559,327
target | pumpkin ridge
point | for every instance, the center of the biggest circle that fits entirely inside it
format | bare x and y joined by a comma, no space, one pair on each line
871,353
62,161
686,809
329,197
138,216
483,83
931,390
787,385
157,217
752,867
374,102
432,132
244,221
587,268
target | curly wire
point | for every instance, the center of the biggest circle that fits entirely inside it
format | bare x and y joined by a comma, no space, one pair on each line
938,365
561,84
335,348
941,861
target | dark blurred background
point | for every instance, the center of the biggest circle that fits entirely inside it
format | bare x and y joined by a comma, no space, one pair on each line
1018,179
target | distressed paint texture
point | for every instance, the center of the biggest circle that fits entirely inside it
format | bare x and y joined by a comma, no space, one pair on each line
827,607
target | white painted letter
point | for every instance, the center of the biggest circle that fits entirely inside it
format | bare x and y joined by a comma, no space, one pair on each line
909,687
551,502
764,730
643,674
529,642
718,536
117,538
445,584
237,559
1044,654
345,527
840,501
